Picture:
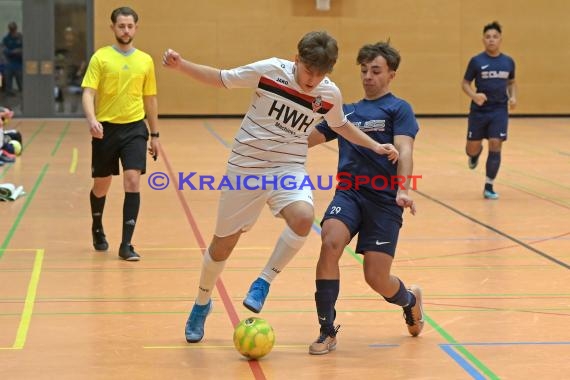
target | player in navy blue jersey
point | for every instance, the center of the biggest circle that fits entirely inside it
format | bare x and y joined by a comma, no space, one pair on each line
495,91
374,210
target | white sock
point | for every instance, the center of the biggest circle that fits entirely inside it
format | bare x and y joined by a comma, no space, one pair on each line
211,270
288,244
489,181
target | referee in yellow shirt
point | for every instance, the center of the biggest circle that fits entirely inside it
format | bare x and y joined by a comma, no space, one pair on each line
119,89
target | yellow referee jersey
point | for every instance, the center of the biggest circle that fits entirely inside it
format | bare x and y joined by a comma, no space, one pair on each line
121,80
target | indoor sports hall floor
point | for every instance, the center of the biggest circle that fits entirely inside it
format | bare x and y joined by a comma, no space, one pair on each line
495,274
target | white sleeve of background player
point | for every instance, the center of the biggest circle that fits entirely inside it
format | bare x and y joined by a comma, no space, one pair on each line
246,76
335,117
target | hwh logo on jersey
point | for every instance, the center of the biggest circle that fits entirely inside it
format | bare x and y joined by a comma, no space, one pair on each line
293,118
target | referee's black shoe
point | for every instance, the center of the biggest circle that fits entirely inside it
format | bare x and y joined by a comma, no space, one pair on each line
99,241
127,252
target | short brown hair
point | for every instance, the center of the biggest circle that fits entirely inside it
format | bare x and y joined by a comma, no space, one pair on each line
318,50
124,11
369,52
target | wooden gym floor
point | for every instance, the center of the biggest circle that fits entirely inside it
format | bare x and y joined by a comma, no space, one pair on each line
495,274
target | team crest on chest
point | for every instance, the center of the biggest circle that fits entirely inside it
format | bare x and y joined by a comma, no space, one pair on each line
317,103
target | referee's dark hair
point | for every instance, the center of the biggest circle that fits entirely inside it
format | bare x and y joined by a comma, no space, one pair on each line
124,11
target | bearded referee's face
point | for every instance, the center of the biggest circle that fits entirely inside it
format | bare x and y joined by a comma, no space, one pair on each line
124,29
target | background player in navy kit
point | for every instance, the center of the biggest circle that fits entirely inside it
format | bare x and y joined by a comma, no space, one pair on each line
376,215
495,91
290,98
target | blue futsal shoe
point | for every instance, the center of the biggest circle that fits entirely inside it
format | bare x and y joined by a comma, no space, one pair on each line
490,194
195,324
255,298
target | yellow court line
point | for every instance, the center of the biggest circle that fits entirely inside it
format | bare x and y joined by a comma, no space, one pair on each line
30,300
26,316
73,166
21,250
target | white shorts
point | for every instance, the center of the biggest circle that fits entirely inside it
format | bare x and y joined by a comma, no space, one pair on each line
239,208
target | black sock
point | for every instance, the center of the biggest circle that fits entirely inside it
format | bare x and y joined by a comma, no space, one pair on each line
131,207
493,164
325,298
403,297
97,206
489,187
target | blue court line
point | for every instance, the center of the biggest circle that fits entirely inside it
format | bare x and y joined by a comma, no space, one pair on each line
462,362
216,135
449,349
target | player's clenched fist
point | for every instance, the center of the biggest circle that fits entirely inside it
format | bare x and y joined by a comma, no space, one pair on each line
171,58
389,150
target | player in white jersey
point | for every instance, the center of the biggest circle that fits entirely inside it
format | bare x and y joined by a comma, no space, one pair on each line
273,133
271,144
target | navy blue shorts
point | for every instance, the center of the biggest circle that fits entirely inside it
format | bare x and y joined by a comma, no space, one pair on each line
488,124
126,142
377,224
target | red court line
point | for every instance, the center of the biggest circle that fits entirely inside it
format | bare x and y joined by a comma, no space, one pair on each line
226,300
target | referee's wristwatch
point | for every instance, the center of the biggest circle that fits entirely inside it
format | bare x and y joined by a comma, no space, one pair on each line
155,134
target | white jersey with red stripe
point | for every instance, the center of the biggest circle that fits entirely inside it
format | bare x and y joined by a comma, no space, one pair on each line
273,134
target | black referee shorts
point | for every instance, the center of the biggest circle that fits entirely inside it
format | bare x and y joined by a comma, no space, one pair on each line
126,142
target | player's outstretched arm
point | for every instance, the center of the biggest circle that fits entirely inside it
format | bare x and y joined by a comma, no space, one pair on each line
356,136
202,73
